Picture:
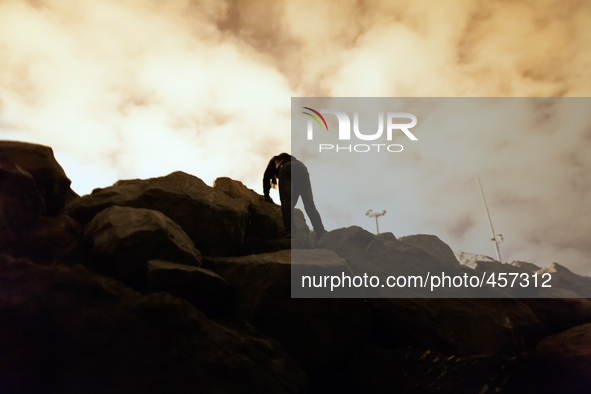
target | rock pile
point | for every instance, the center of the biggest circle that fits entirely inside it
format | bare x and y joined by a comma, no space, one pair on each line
170,285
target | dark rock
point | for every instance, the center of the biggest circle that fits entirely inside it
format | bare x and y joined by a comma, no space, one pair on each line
33,191
261,277
411,370
559,314
37,160
350,243
264,221
433,246
383,255
568,356
21,203
559,364
264,231
255,279
50,239
456,326
123,239
215,222
320,333
203,288
67,330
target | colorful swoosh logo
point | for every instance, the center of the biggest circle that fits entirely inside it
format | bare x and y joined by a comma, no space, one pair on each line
315,118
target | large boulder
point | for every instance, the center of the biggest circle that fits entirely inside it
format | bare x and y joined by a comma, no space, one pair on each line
123,239
203,288
264,221
433,246
567,357
264,231
215,222
21,203
559,364
320,333
67,330
33,192
559,314
260,278
58,239
51,181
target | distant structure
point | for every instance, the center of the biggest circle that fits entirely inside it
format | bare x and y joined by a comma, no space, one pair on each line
496,238
376,215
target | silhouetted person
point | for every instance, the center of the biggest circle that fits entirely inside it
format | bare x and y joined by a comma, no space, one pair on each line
294,181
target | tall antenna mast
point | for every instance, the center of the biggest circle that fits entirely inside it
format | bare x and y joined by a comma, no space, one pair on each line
496,238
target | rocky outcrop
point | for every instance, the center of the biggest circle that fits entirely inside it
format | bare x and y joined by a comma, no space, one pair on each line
37,162
33,191
215,222
212,307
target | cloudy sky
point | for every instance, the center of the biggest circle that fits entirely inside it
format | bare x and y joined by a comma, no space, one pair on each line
140,88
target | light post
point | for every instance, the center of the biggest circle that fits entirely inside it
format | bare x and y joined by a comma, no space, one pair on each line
376,215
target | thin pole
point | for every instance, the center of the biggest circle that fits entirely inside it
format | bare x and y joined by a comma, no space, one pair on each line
494,237
376,215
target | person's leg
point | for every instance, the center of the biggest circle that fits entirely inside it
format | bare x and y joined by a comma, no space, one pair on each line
305,190
288,201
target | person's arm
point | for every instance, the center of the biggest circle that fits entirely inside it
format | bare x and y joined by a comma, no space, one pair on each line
268,178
